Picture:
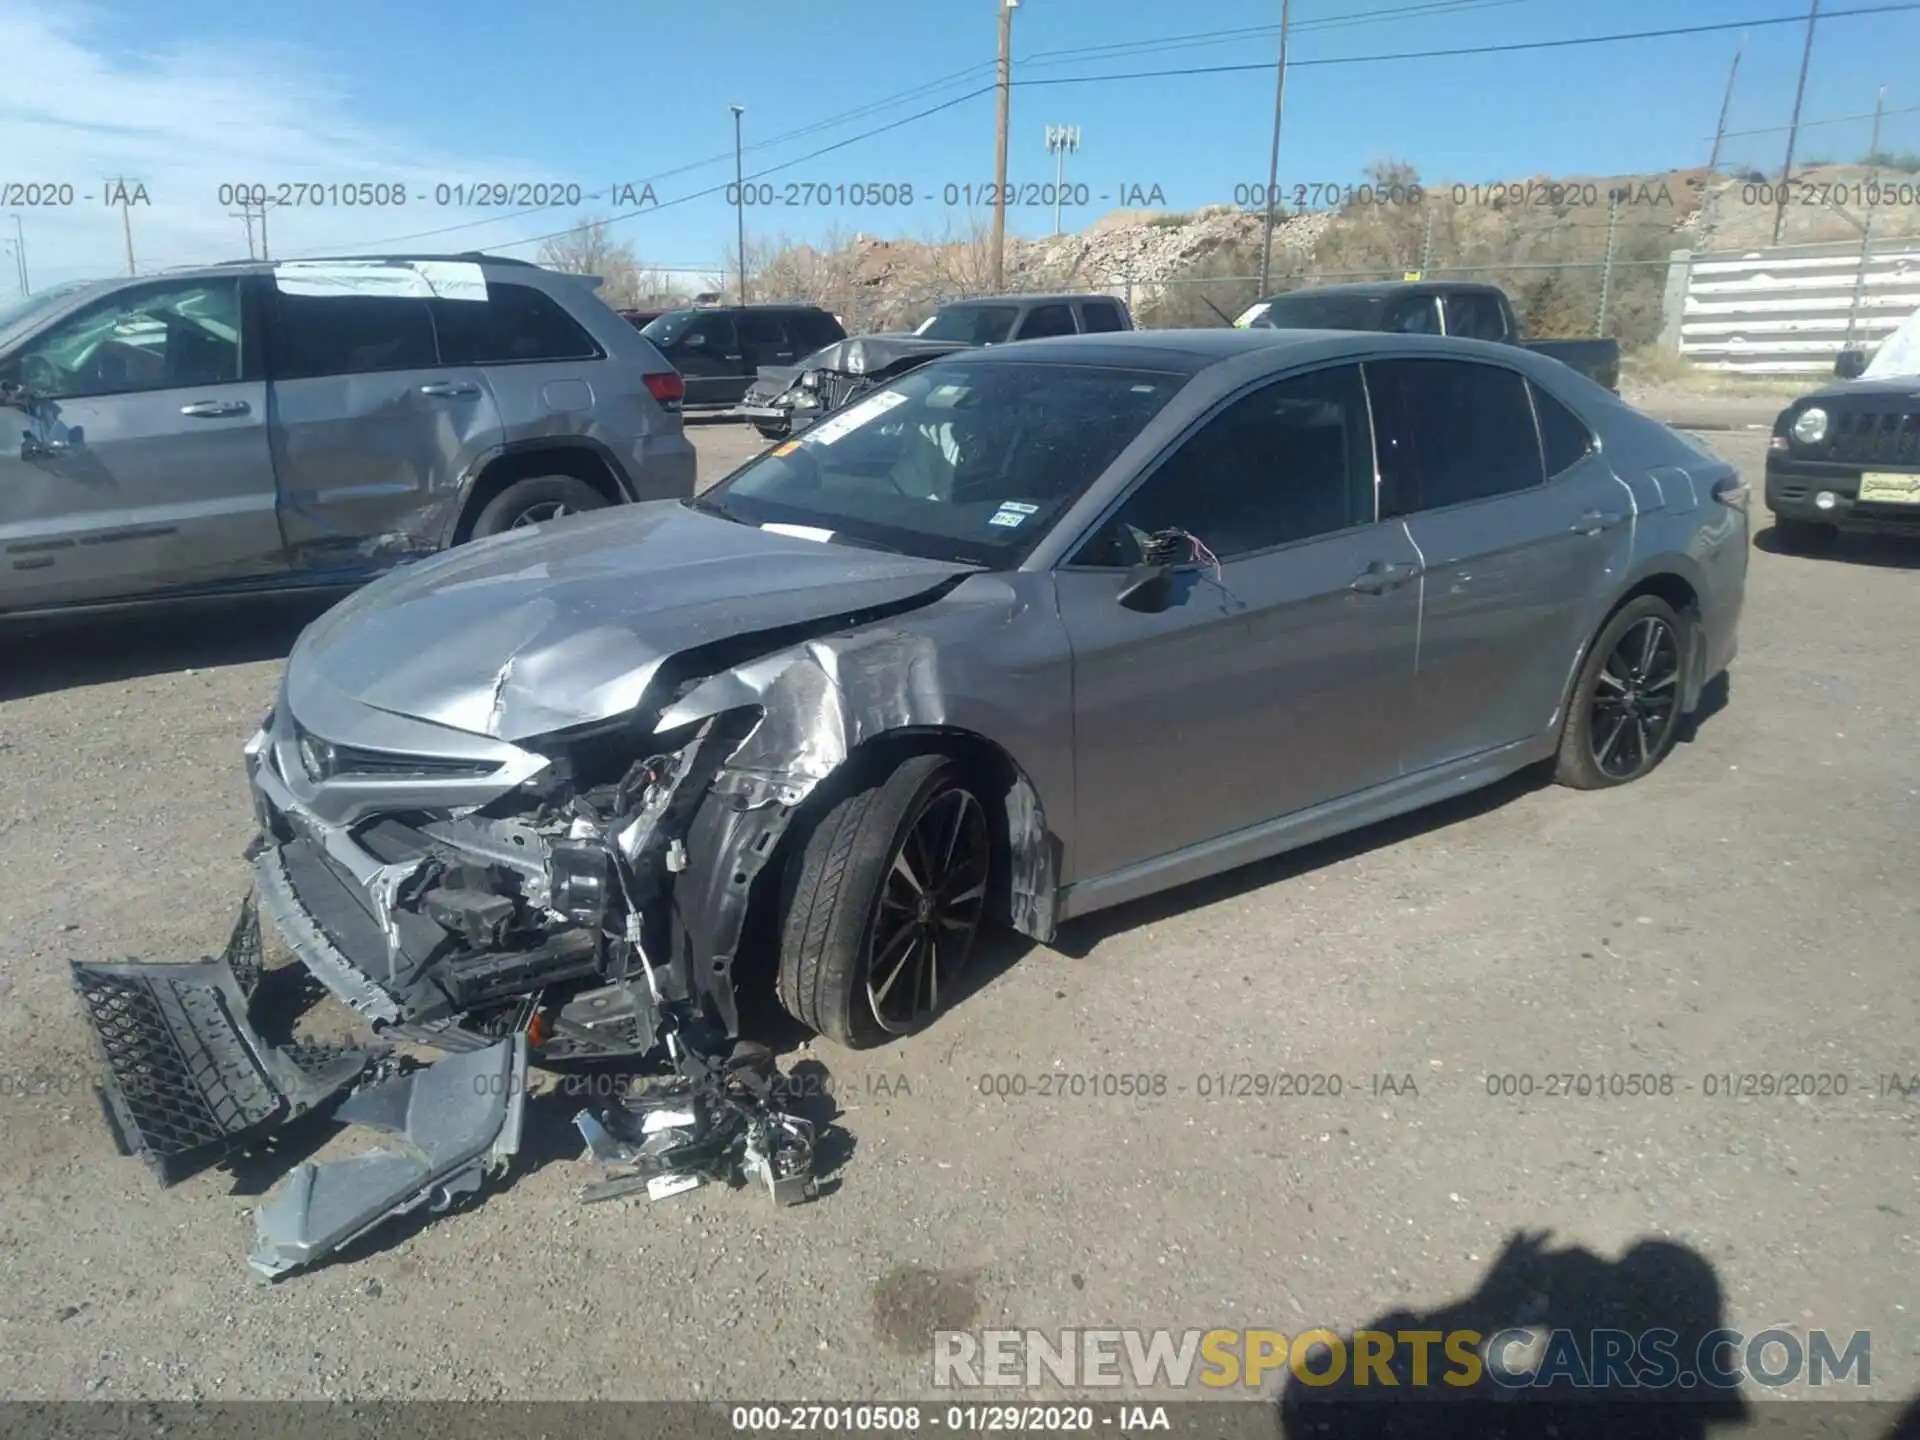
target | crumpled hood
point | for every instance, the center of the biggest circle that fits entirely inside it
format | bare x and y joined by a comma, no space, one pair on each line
565,624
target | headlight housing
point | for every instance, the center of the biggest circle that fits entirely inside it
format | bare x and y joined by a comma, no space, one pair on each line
1810,425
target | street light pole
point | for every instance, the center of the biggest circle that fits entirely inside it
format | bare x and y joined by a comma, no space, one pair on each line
739,200
1273,158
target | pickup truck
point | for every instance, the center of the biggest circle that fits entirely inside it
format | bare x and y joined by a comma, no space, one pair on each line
1421,307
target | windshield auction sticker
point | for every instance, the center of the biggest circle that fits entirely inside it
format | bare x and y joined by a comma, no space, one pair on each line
853,417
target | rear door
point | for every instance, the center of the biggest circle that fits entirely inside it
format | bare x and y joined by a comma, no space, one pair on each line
146,466
1477,315
1100,317
538,364
1517,561
1280,674
1045,320
373,435
765,339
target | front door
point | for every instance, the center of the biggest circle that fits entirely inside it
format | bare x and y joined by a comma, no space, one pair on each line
1522,530
143,464
708,356
372,434
1277,676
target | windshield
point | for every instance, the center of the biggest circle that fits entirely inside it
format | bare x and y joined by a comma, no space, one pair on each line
972,324
1306,310
24,307
957,461
670,326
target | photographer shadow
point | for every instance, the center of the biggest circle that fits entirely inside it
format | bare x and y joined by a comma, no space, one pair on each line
1655,1285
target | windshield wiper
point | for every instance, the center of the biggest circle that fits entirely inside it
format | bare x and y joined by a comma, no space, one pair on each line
708,506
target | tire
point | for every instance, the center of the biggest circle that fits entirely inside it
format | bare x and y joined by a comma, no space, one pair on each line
844,905
1802,536
1630,720
772,432
537,498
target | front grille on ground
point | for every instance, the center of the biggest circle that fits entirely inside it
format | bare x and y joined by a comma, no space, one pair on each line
180,1075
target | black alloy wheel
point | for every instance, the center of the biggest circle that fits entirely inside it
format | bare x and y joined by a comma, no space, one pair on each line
927,912
1637,701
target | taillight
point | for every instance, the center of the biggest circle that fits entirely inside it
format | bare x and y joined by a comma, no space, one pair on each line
667,387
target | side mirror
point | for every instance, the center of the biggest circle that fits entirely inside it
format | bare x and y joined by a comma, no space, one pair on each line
15,397
1850,364
1148,589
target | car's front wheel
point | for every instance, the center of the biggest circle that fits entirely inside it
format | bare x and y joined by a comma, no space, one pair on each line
537,498
1625,711
883,901
770,430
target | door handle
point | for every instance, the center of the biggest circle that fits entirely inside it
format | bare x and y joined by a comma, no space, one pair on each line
1380,577
213,409
449,388
1594,521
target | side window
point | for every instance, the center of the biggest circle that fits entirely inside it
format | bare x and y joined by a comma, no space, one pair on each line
157,337
761,329
515,322
1289,461
350,335
1475,315
1100,316
712,333
1564,436
1416,316
1044,320
1450,431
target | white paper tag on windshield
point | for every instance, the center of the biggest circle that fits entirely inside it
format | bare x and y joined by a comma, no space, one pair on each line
801,532
853,417
400,279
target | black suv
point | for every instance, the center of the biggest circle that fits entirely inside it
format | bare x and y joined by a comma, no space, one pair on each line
997,319
718,348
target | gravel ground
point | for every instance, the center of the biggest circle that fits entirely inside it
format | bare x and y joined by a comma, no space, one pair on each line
1749,909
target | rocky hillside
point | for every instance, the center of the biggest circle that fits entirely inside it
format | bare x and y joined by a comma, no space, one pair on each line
1546,240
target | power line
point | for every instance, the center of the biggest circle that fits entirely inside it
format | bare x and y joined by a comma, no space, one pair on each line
758,174
1202,38
1809,124
1044,57
1469,50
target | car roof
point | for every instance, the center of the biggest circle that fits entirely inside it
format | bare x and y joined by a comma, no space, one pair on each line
1188,352
1379,289
1053,299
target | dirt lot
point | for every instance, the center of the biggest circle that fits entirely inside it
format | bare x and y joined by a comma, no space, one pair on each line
1748,910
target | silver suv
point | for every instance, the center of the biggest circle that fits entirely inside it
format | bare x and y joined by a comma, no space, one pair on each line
305,425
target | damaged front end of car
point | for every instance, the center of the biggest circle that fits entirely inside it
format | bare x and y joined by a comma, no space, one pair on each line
575,897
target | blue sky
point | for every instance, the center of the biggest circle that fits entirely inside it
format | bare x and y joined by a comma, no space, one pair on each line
590,92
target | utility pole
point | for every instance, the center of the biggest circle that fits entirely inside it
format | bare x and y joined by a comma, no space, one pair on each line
1793,130
20,253
1273,159
1002,100
1710,198
1866,228
245,212
739,199
126,218
1062,140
